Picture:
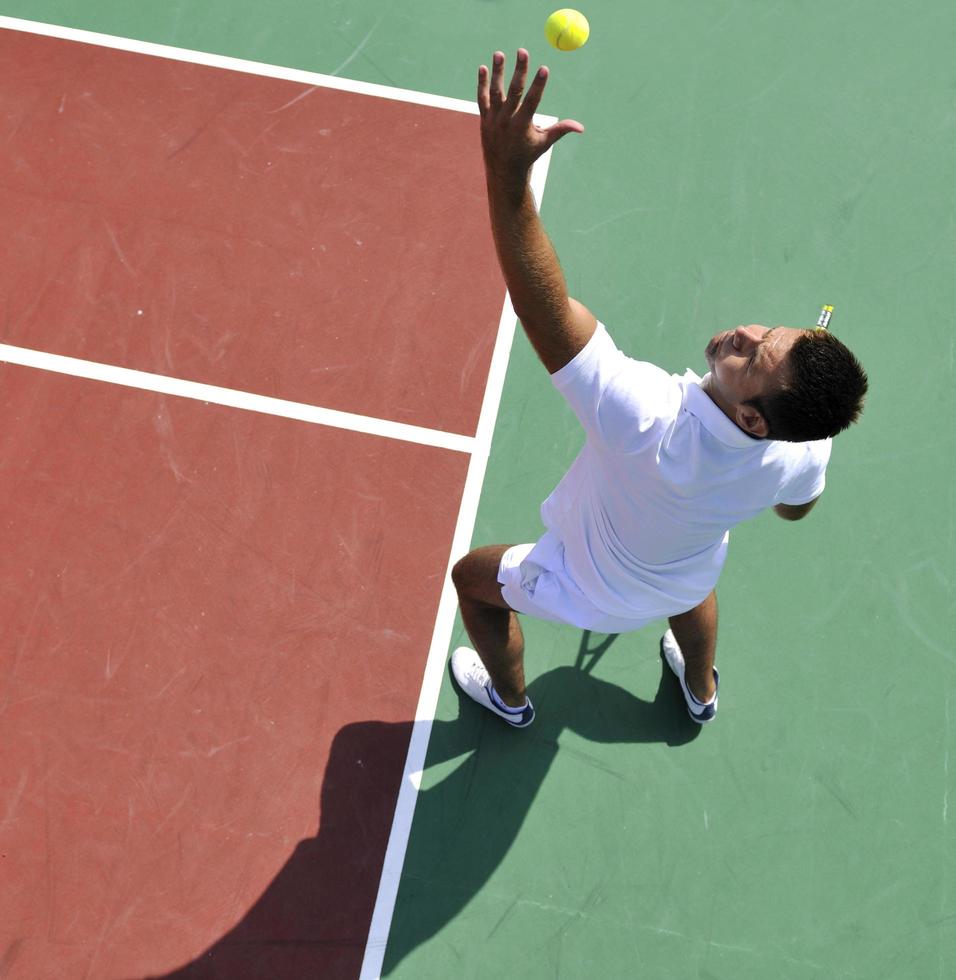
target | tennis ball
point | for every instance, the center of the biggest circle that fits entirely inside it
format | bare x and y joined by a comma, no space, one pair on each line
567,29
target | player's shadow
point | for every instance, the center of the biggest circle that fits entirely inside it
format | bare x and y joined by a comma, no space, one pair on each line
312,920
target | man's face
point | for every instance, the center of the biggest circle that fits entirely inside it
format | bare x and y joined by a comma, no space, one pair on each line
747,362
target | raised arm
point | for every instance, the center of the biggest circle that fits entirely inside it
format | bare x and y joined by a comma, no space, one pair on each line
557,326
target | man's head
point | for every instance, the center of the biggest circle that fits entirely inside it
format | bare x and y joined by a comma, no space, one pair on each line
784,383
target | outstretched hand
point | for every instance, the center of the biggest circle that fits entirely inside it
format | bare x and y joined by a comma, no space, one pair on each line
509,137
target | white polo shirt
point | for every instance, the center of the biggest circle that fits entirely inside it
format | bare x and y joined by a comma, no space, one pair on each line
645,510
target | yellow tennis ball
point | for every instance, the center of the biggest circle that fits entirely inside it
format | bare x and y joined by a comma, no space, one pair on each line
567,29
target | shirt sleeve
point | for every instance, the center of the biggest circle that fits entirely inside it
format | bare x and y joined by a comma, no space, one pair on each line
618,400
809,477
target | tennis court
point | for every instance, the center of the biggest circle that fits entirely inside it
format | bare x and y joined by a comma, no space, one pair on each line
260,391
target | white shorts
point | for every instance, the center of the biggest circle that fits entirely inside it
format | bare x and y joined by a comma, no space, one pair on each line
535,581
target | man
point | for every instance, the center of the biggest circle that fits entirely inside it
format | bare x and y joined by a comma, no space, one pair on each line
637,529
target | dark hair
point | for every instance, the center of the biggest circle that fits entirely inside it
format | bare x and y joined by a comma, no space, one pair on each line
823,395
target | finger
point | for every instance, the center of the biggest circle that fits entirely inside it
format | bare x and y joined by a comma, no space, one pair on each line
483,100
516,89
496,93
553,133
533,98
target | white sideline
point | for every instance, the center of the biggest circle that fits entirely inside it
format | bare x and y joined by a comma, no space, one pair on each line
441,638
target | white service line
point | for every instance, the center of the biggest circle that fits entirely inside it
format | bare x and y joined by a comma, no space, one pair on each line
441,637
232,398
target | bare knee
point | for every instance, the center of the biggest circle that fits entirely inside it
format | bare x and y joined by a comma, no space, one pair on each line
461,574
475,576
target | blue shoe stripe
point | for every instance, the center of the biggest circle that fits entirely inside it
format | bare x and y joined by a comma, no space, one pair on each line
516,717
705,715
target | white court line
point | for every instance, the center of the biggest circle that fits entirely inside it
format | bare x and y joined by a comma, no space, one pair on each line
441,638
234,64
232,398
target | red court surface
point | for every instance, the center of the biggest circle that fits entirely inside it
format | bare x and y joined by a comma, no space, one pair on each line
247,232
216,622
196,601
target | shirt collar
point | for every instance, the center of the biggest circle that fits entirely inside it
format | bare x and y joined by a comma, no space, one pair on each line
702,407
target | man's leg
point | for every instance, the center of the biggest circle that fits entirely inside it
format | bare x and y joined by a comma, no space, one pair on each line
490,622
696,635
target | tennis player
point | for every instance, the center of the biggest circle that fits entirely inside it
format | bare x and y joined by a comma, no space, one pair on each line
637,529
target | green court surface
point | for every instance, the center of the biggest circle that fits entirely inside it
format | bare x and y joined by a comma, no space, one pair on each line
743,162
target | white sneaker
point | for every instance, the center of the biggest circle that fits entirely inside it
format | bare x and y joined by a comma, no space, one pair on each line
473,679
698,710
